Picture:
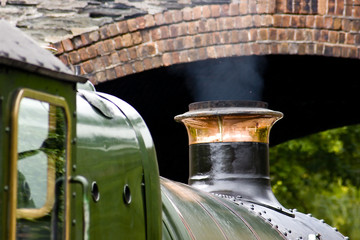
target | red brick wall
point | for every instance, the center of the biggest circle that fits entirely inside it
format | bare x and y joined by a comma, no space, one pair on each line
311,27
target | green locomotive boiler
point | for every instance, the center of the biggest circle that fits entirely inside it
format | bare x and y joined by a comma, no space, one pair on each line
79,164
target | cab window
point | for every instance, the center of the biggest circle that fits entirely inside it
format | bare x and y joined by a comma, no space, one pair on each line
39,166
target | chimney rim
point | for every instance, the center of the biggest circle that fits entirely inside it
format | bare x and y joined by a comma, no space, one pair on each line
228,108
227,104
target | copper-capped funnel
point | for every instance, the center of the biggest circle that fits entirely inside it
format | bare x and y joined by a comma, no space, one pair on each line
229,148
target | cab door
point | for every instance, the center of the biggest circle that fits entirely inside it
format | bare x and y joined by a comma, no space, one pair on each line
39,169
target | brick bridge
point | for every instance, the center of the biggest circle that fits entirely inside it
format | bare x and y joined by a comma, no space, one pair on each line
240,28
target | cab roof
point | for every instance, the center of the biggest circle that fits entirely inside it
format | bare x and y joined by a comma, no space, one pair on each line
18,50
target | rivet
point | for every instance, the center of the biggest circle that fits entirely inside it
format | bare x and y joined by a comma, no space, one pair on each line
74,222
74,167
74,113
74,194
7,129
1,98
347,238
6,188
276,226
252,208
264,211
73,141
295,210
289,231
285,233
309,214
269,219
241,203
260,213
335,229
322,220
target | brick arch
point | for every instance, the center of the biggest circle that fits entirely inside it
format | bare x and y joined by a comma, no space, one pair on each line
305,27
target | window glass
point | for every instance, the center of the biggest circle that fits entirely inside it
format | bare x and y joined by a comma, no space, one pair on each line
32,160
41,146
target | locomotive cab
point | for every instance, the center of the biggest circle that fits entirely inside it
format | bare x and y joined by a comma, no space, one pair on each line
37,99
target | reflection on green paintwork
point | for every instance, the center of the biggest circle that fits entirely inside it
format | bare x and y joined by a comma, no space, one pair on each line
186,211
41,169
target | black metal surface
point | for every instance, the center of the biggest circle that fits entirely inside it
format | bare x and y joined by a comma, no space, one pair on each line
296,225
234,168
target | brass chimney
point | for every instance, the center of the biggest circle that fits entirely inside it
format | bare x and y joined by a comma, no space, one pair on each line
229,148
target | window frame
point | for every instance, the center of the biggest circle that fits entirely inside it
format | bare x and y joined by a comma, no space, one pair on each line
15,213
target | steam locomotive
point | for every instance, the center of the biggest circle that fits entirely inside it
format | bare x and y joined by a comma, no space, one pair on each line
79,164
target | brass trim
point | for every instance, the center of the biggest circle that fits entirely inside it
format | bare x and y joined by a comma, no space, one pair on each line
13,212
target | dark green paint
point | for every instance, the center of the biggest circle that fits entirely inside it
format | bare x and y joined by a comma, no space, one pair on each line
108,154
150,167
208,217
